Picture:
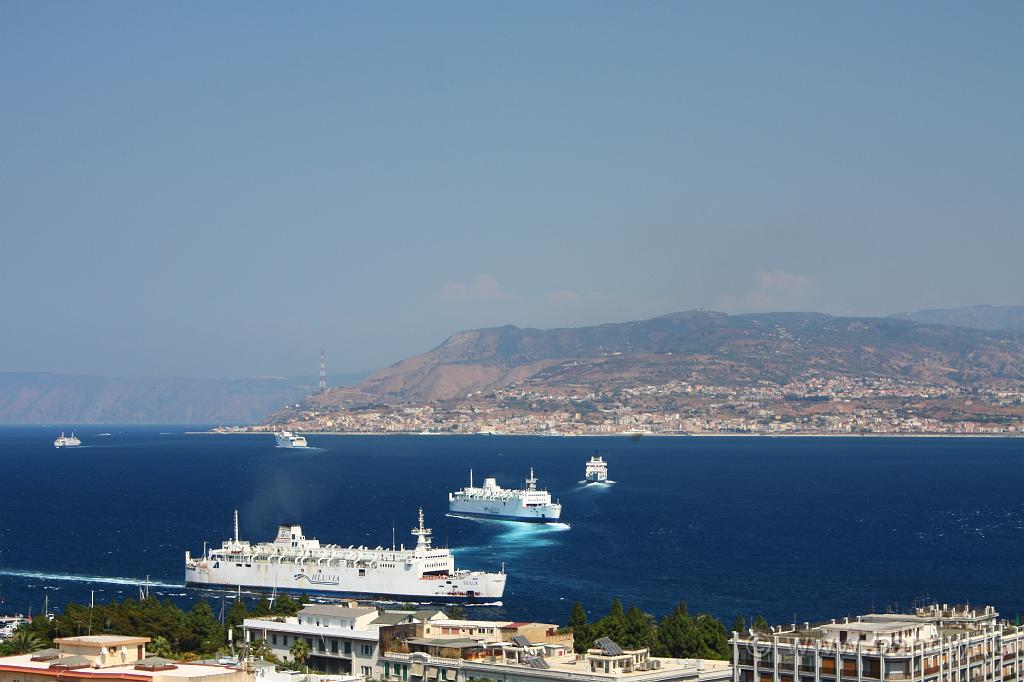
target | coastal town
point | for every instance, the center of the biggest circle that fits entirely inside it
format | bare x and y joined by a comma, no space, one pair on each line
833,405
352,642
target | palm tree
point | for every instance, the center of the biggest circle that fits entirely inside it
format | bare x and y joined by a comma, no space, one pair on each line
300,651
24,641
160,647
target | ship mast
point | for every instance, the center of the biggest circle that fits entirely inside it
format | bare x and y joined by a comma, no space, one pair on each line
236,526
531,482
422,536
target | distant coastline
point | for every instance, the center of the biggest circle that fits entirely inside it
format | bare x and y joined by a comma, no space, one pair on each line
631,436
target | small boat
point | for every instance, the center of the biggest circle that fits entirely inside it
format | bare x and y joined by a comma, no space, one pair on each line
63,441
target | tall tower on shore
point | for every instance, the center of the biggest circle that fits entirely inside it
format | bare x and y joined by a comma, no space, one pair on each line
323,371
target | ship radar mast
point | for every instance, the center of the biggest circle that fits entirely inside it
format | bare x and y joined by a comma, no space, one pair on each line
422,536
531,482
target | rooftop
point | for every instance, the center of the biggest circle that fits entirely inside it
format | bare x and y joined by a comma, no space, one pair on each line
24,663
102,640
336,610
862,626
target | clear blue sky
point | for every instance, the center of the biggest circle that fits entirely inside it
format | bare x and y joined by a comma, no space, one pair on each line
223,189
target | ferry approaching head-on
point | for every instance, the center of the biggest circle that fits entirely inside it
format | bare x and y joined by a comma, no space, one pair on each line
596,471
287,439
295,563
495,502
63,441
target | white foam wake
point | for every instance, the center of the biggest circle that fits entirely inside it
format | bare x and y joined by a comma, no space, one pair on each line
71,577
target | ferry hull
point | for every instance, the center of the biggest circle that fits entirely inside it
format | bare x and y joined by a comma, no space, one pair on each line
508,517
361,596
391,583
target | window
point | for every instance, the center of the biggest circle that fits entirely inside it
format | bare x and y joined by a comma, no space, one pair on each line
273,638
334,646
348,647
366,650
309,641
366,671
321,644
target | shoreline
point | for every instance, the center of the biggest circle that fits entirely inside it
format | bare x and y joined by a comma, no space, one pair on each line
637,436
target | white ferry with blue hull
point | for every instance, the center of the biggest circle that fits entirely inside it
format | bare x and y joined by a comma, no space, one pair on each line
295,563
494,502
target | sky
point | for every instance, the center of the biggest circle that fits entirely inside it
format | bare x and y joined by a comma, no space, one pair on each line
224,189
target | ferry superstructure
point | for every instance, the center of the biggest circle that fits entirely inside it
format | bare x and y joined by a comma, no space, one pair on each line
287,439
293,562
493,501
596,471
63,441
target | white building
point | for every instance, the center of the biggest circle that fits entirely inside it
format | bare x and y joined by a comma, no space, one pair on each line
342,639
933,644
525,661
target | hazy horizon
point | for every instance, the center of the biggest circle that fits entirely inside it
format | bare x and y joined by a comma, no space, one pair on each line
225,190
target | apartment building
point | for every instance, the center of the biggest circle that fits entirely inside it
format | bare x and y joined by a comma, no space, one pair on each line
937,643
343,639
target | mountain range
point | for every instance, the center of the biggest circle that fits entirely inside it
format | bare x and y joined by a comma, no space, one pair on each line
700,347
38,397
974,346
1010,317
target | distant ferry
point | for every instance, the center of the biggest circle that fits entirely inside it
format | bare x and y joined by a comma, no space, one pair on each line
493,501
295,563
63,441
287,439
596,471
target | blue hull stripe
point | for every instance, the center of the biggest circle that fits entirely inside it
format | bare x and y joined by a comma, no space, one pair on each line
504,517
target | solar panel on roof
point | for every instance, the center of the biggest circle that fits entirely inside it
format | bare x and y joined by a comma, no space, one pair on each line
608,646
536,662
520,640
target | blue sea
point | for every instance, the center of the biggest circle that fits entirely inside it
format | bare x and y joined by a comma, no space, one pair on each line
790,528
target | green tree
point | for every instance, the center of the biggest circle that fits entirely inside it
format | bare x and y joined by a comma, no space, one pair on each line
613,625
582,631
760,625
739,624
203,633
577,617
300,651
285,606
261,608
640,631
455,612
713,640
25,641
260,649
236,616
160,646
677,636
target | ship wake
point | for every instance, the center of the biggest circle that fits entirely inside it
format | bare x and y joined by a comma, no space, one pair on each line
75,578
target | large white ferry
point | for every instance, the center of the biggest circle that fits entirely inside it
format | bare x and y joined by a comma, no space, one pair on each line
287,439
295,563
63,441
596,471
493,501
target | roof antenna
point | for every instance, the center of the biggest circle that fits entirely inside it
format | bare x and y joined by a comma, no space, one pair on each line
236,526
